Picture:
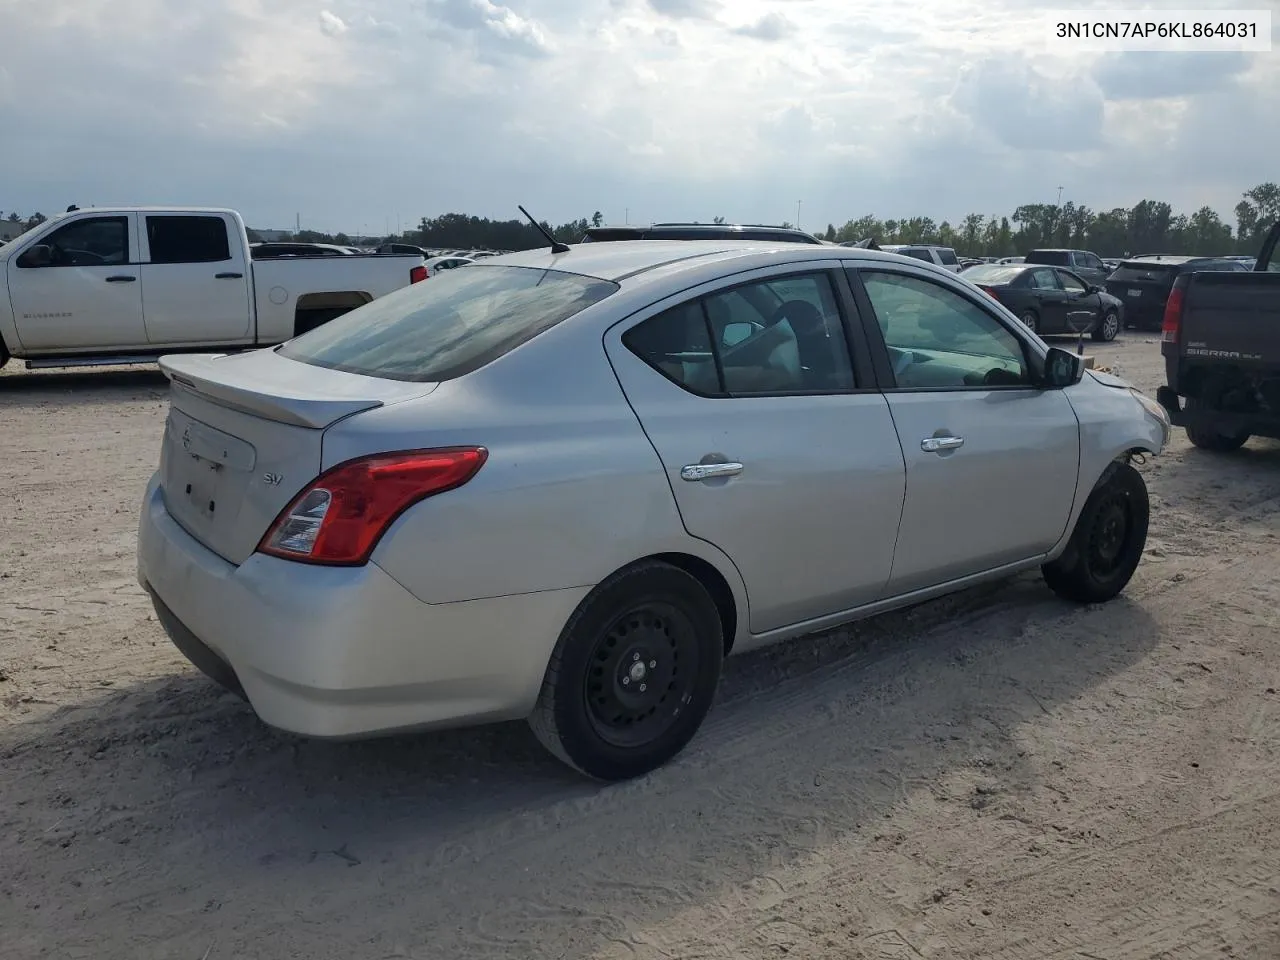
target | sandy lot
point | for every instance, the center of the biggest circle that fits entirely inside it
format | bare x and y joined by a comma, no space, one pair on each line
999,775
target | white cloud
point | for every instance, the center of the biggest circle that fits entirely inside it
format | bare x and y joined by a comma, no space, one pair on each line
353,111
331,24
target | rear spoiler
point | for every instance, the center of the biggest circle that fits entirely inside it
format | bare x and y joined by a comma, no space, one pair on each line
252,383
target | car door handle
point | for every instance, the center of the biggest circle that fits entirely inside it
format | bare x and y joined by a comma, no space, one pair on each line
121,278
939,444
228,276
709,471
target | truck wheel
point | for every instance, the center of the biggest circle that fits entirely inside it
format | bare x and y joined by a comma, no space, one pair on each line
1108,540
1030,320
1107,327
633,674
1206,438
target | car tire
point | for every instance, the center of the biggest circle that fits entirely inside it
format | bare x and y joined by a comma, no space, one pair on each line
1108,327
1107,542
651,625
1030,320
4,354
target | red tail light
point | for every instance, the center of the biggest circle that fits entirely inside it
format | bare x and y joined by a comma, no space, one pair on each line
418,273
339,517
989,291
1169,329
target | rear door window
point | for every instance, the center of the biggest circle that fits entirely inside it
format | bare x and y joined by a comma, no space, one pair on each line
1044,280
450,326
187,239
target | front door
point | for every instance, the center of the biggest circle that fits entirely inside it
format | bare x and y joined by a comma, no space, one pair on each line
775,451
88,294
991,460
195,280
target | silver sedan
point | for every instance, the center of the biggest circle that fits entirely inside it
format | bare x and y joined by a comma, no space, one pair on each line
564,486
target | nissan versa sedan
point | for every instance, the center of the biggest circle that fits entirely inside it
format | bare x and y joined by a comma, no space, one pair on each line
563,486
1050,300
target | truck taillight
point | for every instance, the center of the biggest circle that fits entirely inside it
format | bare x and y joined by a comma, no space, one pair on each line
340,516
1169,328
418,273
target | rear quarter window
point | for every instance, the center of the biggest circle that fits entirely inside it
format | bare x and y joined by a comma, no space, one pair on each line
450,325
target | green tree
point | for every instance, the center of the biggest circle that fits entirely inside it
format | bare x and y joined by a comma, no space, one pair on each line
597,219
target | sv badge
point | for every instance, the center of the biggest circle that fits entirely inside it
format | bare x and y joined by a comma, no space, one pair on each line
272,479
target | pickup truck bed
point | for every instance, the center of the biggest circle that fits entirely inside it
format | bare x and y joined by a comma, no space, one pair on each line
1221,348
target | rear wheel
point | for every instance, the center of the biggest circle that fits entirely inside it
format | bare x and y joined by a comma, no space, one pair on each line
1108,327
1206,438
4,354
1030,320
633,673
1108,540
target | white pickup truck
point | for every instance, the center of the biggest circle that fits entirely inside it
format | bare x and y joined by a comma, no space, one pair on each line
125,285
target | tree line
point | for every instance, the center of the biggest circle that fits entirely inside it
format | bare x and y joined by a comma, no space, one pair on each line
1149,226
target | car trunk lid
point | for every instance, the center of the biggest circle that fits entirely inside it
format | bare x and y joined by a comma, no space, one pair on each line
244,435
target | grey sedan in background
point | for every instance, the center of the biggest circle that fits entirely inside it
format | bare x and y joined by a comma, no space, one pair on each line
564,486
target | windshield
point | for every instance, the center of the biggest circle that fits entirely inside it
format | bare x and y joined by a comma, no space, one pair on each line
992,273
1144,273
13,245
449,325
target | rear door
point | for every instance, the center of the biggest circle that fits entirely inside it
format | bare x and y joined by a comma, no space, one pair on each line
991,460
1050,300
756,394
88,295
195,280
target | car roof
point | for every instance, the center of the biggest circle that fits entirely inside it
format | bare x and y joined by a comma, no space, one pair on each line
1174,259
625,260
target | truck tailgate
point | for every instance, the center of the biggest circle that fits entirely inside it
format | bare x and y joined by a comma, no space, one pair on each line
1233,316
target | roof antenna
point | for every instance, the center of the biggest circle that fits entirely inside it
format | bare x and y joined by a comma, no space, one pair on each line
556,245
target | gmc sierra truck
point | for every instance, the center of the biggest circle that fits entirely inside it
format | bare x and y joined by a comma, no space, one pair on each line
1221,345
125,285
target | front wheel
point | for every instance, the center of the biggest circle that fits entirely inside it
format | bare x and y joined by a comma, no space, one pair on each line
1108,540
1108,327
633,674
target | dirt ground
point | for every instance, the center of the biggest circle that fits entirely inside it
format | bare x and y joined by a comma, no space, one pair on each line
999,775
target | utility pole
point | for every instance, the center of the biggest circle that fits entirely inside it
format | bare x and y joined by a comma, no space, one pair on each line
297,223
626,216
1059,196
798,202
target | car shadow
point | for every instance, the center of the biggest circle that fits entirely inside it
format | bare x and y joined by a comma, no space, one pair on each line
70,386
168,800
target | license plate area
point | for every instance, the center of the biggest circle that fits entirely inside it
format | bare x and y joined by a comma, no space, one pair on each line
204,473
1134,293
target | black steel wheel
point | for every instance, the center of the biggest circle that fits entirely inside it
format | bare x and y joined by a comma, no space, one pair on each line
633,673
1107,543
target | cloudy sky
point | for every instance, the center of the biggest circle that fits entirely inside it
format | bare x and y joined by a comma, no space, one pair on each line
358,113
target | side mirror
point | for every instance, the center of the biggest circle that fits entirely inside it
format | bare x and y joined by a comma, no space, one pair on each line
41,255
735,333
1061,369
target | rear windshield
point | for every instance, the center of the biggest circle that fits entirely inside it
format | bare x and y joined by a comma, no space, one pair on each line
1056,257
1144,273
449,325
994,273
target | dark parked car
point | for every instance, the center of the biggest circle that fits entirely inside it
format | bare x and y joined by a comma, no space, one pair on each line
1085,265
1050,299
698,231
269,251
1221,348
1143,284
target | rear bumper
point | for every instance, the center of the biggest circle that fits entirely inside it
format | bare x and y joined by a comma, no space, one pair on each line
1217,421
345,651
